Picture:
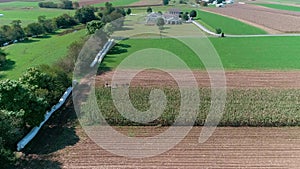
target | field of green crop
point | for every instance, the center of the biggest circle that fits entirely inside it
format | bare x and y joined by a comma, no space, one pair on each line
228,25
281,7
27,12
272,53
244,107
37,51
118,2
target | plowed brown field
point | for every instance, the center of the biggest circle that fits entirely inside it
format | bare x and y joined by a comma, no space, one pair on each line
280,20
228,148
235,79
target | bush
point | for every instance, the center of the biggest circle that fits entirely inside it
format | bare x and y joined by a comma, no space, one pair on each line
165,2
64,21
149,10
85,14
218,30
193,13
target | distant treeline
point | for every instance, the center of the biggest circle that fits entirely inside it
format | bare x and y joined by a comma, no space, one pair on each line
65,4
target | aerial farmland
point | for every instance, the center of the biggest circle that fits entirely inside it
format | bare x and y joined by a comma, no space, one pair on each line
149,84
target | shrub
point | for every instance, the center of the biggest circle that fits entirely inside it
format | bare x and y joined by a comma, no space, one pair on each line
218,30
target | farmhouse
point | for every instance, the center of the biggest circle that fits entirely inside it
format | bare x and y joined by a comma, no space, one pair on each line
171,17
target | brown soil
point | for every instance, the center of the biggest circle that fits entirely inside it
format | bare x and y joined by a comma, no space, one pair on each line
280,20
235,79
228,148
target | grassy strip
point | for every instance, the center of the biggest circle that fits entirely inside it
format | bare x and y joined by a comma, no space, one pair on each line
244,107
228,25
263,53
37,51
281,7
118,3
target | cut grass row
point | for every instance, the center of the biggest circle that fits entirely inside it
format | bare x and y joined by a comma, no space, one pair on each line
37,51
281,7
255,107
261,53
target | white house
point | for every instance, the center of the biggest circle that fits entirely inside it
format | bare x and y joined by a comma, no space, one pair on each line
1,14
171,17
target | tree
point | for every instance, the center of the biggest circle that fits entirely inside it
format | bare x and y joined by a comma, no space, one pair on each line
165,2
85,14
10,133
219,1
160,23
67,4
2,58
218,30
6,32
185,17
17,31
47,24
128,12
93,26
64,21
46,83
34,29
149,10
193,13
108,8
16,97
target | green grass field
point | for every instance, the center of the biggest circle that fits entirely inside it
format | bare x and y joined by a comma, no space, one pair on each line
284,1
118,2
228,25
281,7
27,12
262,53
37,51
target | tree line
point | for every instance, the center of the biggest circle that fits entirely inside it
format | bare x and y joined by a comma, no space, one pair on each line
65,4
94,18
23,102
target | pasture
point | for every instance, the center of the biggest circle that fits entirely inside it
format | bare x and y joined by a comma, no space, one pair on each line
262,53
27,12
37,51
